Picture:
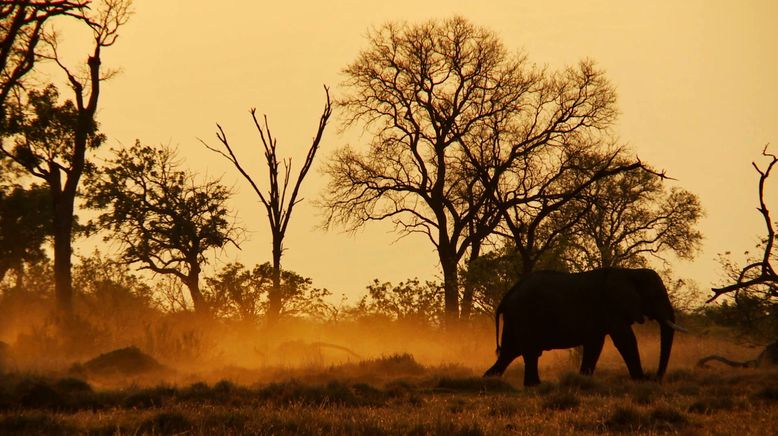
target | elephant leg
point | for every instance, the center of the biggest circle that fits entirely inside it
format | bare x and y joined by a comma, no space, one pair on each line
624,340
591,353
531,377
503,360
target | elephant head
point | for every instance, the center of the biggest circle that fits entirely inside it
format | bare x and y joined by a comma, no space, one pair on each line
553,310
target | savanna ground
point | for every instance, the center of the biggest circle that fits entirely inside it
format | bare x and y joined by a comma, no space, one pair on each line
380,378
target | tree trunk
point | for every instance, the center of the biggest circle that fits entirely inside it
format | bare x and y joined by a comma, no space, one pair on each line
62,205
275,297
193,284
467,293
19,285
450,288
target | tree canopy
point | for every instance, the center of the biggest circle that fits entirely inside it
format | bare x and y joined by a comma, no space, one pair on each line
466,137
163,218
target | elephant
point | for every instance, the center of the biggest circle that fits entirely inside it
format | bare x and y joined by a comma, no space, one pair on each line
549,310
767,358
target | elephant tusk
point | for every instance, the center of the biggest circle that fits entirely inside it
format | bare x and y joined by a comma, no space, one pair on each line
675,326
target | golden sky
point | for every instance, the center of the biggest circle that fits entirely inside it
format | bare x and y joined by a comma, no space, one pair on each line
697,83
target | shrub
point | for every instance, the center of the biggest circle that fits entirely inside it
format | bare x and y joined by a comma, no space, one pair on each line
644,393
565,400
227,422
666,418
474,384
37,394
770,393
166,423
333,393
573,380
624,418
393,365
148,398
34,424
709,405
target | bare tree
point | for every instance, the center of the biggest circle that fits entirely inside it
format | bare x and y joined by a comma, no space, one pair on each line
759,273
423,91
279,202
21,29
450,109
61,160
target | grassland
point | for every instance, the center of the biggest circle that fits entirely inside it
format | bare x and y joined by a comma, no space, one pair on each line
375,379
397,395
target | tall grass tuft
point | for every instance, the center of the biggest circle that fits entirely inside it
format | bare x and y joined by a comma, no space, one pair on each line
572,380
474,384
624,418
333,393
565,400
166,423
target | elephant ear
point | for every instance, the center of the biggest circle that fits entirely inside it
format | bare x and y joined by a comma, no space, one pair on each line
623,298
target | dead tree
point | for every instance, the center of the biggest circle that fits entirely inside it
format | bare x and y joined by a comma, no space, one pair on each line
278,201
767,358
761,271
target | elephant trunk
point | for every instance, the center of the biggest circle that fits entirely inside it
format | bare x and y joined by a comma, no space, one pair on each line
666,333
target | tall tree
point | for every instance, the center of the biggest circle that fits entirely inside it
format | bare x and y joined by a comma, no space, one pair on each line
164,220
449,109
52,139
21,30
278,201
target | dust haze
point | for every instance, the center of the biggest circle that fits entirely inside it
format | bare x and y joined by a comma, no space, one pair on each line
186,348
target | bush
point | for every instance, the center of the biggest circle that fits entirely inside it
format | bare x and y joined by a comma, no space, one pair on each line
475,384
624,418
228,422
644,393
393,365
577,381
149,398
566,400
166,423
37,394
709,405
769,393
32,424
666,418
333,393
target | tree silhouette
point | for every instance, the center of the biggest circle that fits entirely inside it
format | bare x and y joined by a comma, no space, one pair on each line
278,201
239,293
25,223
630,216
51,140
460,127
164,220
21,30
758,273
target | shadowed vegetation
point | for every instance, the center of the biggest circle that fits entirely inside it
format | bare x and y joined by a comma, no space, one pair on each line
417,399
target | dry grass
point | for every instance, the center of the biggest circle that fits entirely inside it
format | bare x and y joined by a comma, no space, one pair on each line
350,378
398,395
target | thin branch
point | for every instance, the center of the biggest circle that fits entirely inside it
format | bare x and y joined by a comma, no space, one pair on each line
767,273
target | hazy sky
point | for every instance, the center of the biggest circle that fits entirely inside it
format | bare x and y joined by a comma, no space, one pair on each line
697,83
